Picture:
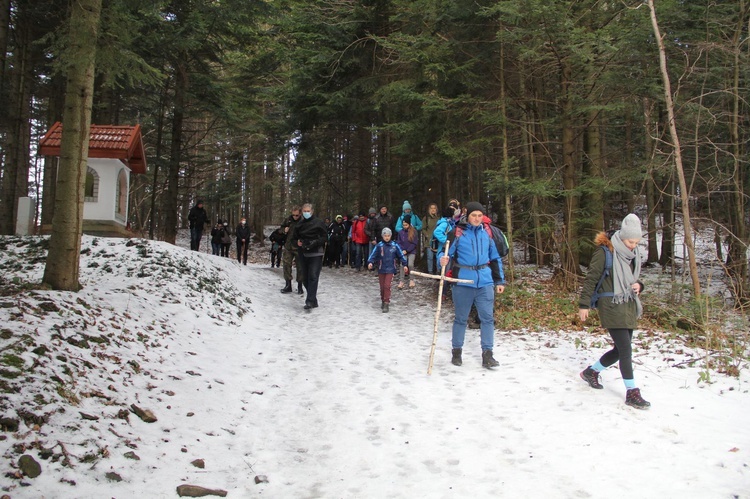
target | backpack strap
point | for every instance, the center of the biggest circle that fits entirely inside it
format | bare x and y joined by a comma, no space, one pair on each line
607,269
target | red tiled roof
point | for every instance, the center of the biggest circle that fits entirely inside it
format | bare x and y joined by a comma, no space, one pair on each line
106,141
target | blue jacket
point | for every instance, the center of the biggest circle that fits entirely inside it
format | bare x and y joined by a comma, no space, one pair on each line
416,222
443,227
385,255
475,257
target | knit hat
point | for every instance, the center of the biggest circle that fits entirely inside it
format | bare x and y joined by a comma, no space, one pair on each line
373,211
474,206
631,227
386,232
406,206
339,216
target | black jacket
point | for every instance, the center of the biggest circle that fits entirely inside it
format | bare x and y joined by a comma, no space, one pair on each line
243,232
312,233
337,232
198,217
278,237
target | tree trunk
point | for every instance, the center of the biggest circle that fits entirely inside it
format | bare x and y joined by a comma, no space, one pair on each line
569,242
651,202
63,261
169,206
736,255
684,194
506,168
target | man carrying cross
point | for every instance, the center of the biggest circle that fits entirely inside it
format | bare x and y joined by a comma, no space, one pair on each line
476,260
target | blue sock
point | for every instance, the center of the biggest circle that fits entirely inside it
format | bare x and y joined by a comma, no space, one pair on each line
598,367
629,383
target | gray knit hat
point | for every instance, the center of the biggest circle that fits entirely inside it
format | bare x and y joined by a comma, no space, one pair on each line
386,232
631,227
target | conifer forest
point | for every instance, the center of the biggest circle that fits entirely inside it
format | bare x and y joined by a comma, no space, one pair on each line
561,116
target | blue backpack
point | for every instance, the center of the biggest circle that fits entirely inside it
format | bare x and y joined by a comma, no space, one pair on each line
607,268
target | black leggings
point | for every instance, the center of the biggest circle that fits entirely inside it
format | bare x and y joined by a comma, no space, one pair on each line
622,351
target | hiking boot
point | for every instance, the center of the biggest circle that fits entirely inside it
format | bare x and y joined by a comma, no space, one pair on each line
385,308
287,288
591,377
456,360
634,399
400,285
488,360
411,284
300,291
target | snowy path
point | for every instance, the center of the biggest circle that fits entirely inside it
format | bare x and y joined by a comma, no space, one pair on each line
347,410
337,403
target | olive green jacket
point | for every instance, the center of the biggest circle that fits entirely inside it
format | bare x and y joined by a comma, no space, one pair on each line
620,316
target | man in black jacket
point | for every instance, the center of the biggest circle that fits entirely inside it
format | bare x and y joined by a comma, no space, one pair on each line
243,240
310,236
198,219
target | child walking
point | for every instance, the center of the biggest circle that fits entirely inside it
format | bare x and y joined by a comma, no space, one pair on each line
619,303
385,254
407,240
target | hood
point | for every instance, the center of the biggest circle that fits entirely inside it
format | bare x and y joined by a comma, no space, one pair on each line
602,239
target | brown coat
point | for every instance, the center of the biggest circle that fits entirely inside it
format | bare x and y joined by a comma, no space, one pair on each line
620,316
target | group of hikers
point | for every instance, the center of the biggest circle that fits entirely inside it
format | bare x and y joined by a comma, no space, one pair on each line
473,263
221,236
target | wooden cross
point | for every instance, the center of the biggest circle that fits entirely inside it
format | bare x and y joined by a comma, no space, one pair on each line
442,279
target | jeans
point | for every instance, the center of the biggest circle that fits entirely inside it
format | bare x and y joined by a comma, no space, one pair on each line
310,267
196,233
358,251
484,299
216,248
430,255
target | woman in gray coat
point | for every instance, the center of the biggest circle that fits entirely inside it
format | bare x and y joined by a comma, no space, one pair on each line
619,303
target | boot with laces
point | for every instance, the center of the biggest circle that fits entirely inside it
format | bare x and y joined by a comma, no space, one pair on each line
591,377
634,399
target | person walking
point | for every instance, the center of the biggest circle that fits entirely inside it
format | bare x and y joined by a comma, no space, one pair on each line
226,240
310,236
429,222
474,257
443,227
336,236
216,234
198,219
619,302
290,254
407,240
277,238
385,254
242,234
406,211
384,220
370,228
359,241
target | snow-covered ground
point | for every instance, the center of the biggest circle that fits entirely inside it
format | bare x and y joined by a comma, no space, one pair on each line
335,403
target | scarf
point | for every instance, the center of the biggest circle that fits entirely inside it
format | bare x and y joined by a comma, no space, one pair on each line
624,275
